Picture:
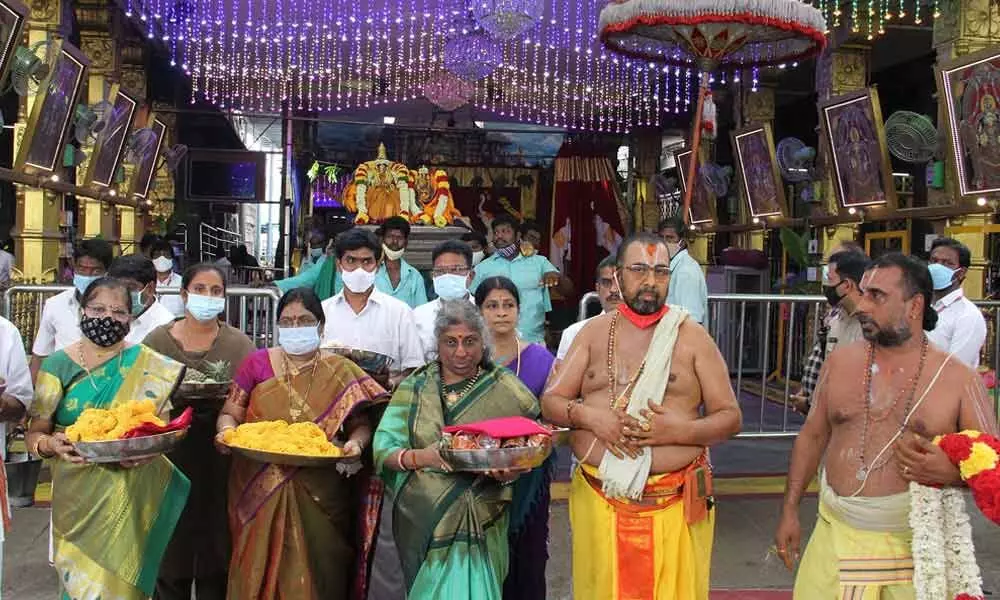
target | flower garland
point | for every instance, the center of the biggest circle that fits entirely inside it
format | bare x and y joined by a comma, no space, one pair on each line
941,525
977,455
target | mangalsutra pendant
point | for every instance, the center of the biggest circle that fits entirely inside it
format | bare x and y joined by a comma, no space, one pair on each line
452,397
862,474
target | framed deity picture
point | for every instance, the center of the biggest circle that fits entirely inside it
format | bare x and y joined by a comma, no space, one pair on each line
41,149
760,178
110,146
702,199
971,89
145,169
855,137
13,14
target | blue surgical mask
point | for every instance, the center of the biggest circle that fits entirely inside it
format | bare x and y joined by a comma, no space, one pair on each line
205,308
298,340
82,282
137,304
450,286
315,253
941,276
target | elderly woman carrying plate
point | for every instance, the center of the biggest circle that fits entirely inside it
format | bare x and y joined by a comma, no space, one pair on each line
451,528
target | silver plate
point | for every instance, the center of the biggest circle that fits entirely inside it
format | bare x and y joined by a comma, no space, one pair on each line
194,390
478,461
292,460
113,451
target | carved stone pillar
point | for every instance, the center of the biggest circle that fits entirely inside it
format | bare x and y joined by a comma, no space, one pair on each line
37,236
964,27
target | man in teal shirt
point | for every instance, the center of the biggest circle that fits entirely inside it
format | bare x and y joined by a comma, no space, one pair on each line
687,281
311,265
395,276
532,273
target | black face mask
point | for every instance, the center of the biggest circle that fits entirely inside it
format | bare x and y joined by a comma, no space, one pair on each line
104,332
830,291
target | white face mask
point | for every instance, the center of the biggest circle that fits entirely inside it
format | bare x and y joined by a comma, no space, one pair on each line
163,264
477,257
358,281
391,254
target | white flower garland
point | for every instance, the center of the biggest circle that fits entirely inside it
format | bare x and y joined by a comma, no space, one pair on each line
791,11
941,531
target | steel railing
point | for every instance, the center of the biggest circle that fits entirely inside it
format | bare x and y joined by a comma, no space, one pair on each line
251,310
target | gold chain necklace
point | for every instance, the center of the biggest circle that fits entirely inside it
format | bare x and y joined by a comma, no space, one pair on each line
296,411
453,397
612,380
83,363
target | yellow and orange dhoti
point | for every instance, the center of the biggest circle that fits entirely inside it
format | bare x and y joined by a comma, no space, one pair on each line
643,550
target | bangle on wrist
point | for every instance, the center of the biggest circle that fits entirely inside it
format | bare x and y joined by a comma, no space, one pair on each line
226,428
413,459
38,443
399,460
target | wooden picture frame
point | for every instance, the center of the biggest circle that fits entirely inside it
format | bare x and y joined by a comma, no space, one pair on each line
42,147
972,108
110,147
702,200
760,178
145,171
13,15
854,133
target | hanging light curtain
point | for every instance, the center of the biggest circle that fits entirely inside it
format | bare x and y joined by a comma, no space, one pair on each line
448,91
505,20
472,55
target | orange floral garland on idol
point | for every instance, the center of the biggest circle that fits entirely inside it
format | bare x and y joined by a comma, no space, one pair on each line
977,456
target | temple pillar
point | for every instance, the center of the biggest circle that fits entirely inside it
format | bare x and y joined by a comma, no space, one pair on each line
37,235
965,27
839,70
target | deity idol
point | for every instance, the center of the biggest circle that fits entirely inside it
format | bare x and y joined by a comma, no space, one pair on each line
434,202
380,190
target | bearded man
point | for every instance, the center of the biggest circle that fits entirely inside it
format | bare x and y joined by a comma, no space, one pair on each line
875,397
646,391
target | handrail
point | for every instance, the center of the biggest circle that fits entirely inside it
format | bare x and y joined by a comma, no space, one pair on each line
584,301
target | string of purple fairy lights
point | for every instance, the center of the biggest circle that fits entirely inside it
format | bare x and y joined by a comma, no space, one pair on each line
342,55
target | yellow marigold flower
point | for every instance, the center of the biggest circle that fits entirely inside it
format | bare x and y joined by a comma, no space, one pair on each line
982,458
301,439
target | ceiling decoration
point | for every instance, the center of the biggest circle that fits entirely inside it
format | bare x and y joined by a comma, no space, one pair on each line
337,55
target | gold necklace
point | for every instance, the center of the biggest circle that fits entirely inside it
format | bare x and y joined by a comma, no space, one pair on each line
83,363
612,379
453,397
296,411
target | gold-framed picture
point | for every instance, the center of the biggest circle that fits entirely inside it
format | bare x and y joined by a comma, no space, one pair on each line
702,199
760,177
110,147
970,86
855,136
13,15
145,169
42,147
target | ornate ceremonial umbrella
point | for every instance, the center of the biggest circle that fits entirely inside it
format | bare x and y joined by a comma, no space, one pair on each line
712,34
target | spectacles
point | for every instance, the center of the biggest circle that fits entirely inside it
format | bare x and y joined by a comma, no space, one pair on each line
301,321
117,313
661,272
605,282
456,270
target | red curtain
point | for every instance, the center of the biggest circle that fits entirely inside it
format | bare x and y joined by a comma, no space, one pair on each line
587,220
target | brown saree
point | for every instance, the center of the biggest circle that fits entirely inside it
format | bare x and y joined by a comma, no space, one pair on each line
294,528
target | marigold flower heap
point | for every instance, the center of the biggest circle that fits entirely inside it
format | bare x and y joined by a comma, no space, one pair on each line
100,425
301,439
977,456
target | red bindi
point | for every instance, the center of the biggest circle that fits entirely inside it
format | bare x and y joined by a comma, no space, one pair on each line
651,250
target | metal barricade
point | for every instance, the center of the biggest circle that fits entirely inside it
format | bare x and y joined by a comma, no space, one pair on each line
765,339
251,310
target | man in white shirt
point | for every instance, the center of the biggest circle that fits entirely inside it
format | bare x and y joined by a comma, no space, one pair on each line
961,328
359,316
688,288
452,274
166,278
16,393
59,325
139,275
606,287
